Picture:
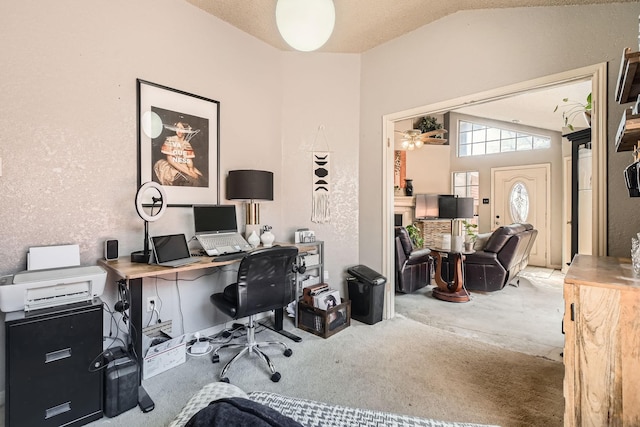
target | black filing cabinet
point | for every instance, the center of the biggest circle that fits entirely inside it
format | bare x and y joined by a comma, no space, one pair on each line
52,378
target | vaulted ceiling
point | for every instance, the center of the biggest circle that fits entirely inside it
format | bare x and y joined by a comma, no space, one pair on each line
362,24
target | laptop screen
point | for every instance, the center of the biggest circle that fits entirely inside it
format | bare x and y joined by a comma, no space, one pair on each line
211,219
170,248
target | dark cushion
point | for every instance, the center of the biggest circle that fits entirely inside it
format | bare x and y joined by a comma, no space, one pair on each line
405,240
239,412
501,235
419,256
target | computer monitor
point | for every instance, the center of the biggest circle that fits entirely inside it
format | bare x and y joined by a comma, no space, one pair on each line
213,219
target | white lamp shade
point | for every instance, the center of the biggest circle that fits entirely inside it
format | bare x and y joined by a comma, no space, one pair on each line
305,24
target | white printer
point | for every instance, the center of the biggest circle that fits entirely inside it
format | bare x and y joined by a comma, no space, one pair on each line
54,277
32,290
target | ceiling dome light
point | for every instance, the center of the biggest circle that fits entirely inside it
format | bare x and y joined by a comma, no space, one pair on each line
305,24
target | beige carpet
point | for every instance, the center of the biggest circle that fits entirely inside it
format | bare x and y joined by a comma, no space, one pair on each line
525,318
397,365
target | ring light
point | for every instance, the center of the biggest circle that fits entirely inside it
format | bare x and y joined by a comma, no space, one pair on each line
162,199
143,256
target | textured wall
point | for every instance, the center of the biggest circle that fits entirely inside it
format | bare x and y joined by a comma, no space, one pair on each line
323,91
68,86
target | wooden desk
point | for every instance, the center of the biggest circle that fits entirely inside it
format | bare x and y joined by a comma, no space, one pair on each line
133,273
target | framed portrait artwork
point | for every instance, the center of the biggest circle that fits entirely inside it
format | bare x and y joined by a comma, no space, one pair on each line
178,144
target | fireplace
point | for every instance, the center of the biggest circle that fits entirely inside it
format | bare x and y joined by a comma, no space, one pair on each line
403,210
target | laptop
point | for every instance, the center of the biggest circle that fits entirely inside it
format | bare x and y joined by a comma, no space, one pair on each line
171,251
217,229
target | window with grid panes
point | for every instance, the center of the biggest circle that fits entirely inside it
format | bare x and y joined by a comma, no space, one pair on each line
475,139
467,184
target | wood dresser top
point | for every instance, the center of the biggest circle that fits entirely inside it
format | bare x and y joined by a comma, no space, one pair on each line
602,271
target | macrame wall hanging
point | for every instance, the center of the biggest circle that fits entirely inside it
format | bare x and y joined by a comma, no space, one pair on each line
321,171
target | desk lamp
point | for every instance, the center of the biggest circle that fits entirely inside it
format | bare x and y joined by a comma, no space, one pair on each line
250,185
455,208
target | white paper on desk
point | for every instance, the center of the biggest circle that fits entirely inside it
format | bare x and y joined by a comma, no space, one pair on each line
41,257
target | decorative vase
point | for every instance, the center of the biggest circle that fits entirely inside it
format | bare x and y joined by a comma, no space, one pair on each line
408,187
267,237
253,239
468,246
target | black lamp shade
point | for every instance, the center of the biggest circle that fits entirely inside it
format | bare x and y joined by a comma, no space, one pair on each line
250,184
452,207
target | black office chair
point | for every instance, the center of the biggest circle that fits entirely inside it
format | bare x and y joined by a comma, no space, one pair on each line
265,282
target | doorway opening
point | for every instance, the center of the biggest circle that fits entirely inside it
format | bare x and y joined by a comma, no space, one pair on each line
596,74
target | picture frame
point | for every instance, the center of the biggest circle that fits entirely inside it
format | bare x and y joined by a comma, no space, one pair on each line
178,144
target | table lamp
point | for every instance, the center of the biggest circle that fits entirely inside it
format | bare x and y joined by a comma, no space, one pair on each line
455,208
250,185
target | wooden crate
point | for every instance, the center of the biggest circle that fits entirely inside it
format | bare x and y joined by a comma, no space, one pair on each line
324,323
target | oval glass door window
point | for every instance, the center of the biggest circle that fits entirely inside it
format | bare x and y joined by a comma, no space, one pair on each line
519,202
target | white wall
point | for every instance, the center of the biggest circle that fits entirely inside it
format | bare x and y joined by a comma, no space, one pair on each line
322,90
479,50
68,86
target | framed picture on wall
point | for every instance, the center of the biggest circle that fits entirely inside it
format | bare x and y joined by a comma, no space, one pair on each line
179,144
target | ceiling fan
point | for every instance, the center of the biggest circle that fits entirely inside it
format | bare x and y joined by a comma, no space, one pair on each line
414,138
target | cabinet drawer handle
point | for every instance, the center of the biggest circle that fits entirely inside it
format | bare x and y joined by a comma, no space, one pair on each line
57,355
57,410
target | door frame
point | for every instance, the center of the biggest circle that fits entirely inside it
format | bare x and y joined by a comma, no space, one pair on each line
596,73
547,168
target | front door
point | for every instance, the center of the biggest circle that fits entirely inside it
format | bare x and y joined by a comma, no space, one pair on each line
521,194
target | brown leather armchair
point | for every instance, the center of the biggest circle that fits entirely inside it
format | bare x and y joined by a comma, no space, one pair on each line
413,266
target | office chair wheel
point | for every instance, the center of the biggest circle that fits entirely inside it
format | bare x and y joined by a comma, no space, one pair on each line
288,352
224,380
276,377
215,358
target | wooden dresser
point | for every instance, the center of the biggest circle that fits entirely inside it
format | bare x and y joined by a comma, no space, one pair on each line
602,343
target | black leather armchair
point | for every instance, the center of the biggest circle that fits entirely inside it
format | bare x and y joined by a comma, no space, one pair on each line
413,266
265,282
499,261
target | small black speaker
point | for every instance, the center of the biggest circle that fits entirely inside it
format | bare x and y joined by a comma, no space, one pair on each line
120,383
110,249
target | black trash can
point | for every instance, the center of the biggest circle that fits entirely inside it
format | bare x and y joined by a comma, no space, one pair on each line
366,292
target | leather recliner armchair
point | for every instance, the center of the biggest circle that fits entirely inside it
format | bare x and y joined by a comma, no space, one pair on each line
504,255
413,266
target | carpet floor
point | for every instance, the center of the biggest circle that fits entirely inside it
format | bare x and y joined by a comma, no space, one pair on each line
422,363
399,365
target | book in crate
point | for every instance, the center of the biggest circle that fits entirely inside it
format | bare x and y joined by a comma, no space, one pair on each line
324,323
